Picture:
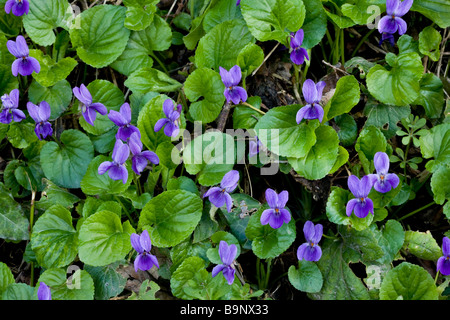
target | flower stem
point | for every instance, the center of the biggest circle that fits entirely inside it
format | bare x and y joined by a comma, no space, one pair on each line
436,278
363,39
296,83
126,211
33,196
415,211
138,184
342,48
252,107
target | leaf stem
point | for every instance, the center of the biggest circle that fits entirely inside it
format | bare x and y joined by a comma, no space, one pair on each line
252,107
363,39
159,62
415,211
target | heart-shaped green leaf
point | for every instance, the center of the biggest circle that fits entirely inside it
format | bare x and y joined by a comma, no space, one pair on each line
273,19
54,239
280,133
140,13
103,239
400,85
156,37
220,47
307,277
171,217
408,282
101,36
204,88
321,157
43,17
65,163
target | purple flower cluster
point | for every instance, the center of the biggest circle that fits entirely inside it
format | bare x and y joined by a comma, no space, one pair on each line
392,22
26,65
382,182
39,113
131,135
10,107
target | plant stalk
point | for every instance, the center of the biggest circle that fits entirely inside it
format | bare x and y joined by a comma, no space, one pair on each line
415,211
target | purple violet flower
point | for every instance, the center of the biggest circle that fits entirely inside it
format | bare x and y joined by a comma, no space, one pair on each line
140,158
231,80
10,109
44,292
298,54
18,7
142,244
122,119
40,115
382,180
313,94
310,250
387,36
238,2
172,119
227,254
24,64
393,22
360,189
277,214
116,169
443,263
218,196
88,109
255,147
